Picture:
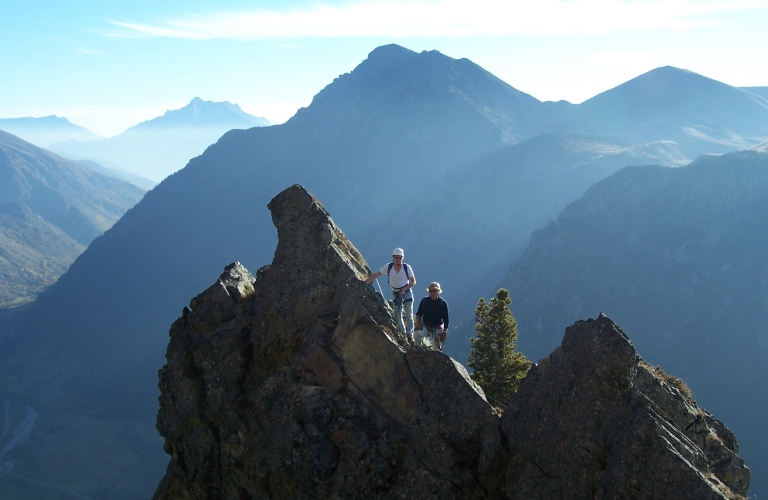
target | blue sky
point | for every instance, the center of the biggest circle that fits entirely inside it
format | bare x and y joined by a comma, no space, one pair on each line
108,66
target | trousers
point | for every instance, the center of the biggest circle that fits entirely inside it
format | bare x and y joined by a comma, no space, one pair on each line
404,302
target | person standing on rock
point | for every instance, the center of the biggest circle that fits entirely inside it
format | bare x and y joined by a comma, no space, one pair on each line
401,279
432,318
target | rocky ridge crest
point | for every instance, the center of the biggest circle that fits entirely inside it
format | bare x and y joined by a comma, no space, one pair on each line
295,384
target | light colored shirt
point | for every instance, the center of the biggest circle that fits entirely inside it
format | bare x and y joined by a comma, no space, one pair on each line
397,280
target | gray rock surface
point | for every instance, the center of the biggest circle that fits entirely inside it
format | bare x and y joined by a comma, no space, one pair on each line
593,420
296,384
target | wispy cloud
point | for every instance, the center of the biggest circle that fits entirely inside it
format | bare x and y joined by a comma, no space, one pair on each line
403,19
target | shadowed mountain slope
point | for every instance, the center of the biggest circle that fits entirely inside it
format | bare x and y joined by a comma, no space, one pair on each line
680,256
78,200
33,254
158,147
50,210
481,214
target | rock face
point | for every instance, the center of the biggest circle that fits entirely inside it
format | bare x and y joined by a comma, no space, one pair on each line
595,421
296,384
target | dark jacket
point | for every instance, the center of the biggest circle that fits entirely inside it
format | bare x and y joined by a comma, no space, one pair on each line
433,312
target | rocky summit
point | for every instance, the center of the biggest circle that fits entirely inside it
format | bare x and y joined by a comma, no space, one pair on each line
296,384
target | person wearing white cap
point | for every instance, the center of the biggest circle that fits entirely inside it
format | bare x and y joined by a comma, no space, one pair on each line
401,279
432,319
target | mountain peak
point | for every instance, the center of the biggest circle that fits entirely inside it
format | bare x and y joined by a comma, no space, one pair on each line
203,113
435,94
389,53
667,83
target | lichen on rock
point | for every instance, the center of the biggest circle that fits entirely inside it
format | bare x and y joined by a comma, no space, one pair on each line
295,383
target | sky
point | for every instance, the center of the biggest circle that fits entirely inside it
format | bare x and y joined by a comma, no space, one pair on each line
110,65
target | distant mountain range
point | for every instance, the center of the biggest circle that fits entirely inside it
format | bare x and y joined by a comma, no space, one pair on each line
50,210
156,148
415,150
43,132
680,257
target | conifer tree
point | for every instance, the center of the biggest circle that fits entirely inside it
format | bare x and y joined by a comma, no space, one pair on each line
498,369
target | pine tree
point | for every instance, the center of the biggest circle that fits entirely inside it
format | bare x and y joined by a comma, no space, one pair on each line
498,369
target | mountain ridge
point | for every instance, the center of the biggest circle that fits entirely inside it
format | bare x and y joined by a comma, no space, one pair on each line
45,131
684,99
158,147
678,255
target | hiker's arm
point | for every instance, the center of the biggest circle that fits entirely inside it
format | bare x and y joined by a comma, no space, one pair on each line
417,317
372,277
445,316
411,282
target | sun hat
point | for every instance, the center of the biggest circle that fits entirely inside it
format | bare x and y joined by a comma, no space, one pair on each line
434,285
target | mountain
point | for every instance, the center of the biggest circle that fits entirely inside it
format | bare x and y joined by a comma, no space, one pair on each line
156,148
700,114
43,132
481,214
50,210
679,256
76,199
33,254
398,149
99,333
296,384
136,180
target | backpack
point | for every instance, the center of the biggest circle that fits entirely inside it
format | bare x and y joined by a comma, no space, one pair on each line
405,266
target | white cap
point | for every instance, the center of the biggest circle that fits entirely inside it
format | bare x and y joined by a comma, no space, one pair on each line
398,251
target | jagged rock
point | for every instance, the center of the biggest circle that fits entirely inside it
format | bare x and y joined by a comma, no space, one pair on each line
296,384
593,420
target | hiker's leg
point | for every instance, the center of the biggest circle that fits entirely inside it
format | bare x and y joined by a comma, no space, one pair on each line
409,313
418,337
434,339
398,302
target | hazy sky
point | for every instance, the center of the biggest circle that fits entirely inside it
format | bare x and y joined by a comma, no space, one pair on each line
109,65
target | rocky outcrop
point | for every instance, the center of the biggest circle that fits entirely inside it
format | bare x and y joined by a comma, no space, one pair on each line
593,420
296,384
